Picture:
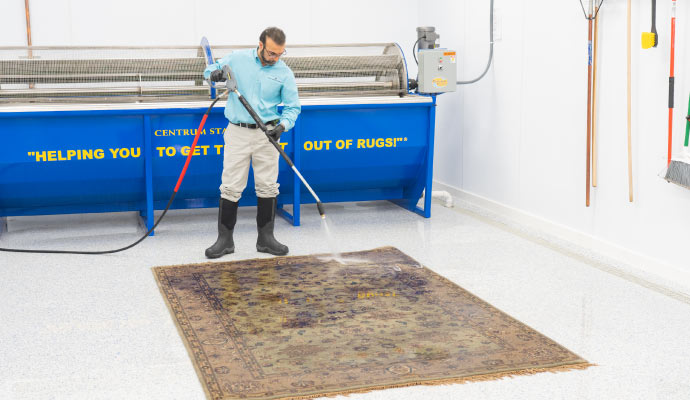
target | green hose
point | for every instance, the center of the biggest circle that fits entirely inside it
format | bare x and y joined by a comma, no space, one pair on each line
687,126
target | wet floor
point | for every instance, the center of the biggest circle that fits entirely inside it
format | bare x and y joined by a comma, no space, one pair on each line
97,327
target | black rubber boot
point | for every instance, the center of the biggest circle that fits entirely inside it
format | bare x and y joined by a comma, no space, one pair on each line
227,216
265,218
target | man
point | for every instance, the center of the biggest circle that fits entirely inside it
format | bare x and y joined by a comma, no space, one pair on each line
265,81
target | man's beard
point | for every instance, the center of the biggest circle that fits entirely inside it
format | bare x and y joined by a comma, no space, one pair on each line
265,60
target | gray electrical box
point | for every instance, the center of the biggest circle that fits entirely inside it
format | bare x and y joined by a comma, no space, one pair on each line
437,71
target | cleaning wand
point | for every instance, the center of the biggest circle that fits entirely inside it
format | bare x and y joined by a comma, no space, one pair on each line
231,84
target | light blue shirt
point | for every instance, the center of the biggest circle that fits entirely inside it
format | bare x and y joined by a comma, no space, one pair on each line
263,87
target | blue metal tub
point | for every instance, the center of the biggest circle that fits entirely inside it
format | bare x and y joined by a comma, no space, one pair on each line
59,159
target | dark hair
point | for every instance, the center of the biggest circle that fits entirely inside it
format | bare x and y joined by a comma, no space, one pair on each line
276,34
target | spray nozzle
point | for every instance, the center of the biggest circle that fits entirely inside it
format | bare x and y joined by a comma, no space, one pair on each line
231,83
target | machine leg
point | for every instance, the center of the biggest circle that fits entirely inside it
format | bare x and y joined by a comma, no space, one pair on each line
296,202
426,211
286,215
294,219
429,176
428,164
147,214
3,225
297,184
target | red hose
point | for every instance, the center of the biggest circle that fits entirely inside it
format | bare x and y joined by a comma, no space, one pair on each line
172,197
191,151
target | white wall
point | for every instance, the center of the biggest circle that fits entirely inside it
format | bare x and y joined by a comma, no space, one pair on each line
516,137
184,22
521,132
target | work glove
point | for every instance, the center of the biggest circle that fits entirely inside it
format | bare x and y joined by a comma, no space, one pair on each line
275,132
218,76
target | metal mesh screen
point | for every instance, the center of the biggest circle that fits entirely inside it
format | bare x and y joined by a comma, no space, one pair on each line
114,73
81,74
344,70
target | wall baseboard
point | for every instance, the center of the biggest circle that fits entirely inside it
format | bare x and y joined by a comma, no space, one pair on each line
625,263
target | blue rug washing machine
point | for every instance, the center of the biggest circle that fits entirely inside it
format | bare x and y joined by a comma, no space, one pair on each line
107,129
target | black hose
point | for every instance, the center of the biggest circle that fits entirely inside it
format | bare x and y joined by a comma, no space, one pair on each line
414,53
147,233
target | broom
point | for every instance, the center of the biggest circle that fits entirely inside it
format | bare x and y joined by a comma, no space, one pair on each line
678,171
651,39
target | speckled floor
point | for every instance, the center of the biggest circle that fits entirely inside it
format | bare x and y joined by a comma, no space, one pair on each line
96,327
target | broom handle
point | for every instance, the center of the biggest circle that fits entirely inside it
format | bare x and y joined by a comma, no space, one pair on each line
654,18
28,27
28,34
589,103
630,177
594,98
671,81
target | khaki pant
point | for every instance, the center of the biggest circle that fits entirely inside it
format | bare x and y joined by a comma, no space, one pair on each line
243,145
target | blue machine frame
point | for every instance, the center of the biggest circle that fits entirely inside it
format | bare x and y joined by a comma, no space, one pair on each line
61,159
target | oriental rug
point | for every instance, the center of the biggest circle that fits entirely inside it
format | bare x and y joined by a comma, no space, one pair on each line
309,326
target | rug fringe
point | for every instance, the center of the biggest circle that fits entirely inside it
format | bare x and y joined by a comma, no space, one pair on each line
448,381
